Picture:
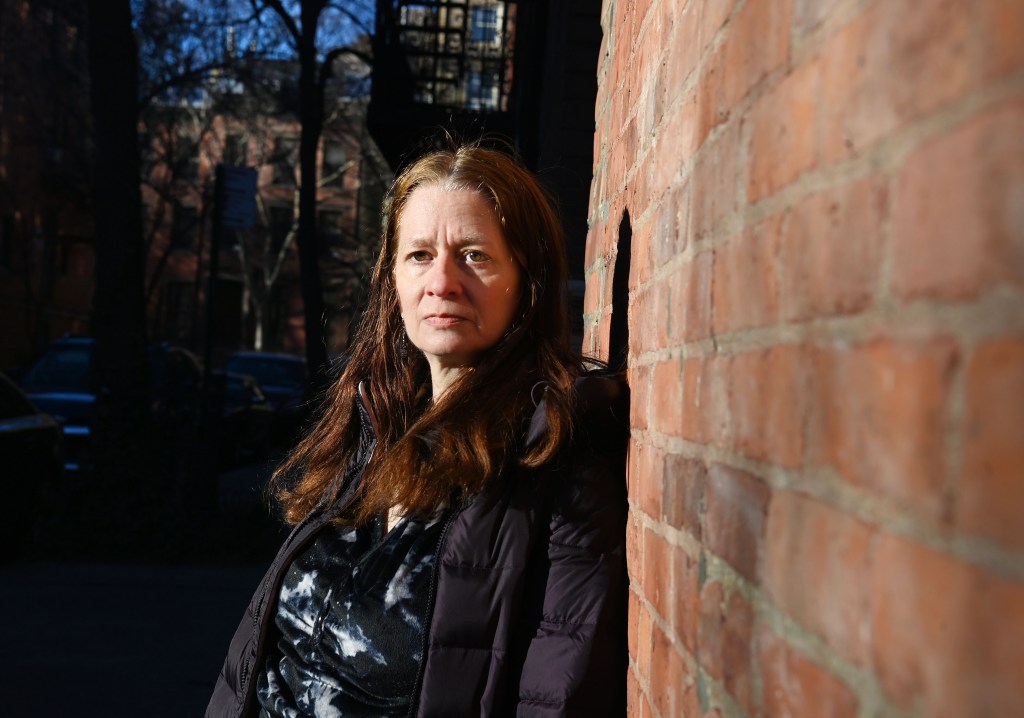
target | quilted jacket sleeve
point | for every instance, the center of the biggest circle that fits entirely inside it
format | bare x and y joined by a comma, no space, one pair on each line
576,657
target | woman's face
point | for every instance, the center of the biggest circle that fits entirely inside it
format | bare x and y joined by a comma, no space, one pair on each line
457,281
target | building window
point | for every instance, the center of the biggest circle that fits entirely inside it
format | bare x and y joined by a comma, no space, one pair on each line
234,150
485,25
334,166
482,90
283,160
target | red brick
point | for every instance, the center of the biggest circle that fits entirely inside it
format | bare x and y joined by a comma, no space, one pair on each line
596,240
769,404
667,398
832,252
718,396
715,179
706,397
758,43
998,37
796,687
958,225
893,64
683,486
593,300
713,16
808,14
643,335
644,643
634,695
990,493
744,291
602,332
784,134
657,585
711,110
634,551
667,676
726,642
947,634
736,506
633,625
883,419
639,393
689,300
669,232
686,606
649,469
641,265
683,47
817,561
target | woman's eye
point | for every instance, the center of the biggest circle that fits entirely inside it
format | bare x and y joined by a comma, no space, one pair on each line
474,255
420,256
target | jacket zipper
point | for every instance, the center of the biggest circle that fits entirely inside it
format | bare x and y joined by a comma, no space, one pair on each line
262,631
429,614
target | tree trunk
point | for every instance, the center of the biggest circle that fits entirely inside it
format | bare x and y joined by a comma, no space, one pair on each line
311,117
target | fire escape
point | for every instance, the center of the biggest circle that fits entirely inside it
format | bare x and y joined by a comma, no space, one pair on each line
446,64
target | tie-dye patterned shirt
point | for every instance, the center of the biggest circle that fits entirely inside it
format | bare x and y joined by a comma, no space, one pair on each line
351,613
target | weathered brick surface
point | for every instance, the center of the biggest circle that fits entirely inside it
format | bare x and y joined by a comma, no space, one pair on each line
826,317
990,487
817,560
958,225
946,633
797,687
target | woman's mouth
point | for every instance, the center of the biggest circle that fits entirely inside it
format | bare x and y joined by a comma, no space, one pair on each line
444,320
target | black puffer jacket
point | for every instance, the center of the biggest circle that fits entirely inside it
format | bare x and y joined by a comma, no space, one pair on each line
528,613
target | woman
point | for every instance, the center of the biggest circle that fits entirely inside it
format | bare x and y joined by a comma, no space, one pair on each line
460,506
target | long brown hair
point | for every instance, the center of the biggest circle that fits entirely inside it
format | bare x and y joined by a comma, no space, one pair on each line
426,451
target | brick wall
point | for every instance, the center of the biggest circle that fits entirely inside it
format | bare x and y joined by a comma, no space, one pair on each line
824,201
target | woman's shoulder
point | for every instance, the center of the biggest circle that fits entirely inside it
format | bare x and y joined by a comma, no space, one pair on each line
600,407
602,393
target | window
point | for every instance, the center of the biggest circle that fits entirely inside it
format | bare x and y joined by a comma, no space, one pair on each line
283,160
482,90
485,25
335,159
234,149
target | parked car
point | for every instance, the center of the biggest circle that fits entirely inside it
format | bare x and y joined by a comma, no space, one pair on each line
62,383
244,418
31,448
282,378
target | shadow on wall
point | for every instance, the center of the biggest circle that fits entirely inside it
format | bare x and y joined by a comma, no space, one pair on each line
618,335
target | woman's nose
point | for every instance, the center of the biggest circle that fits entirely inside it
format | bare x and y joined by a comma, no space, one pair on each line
443,278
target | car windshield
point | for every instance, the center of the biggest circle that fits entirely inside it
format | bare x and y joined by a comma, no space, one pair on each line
66,368
269,371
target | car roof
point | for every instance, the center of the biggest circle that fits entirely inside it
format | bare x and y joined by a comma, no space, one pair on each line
268,355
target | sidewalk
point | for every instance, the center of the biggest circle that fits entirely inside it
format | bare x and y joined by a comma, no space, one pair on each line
119,640
116,640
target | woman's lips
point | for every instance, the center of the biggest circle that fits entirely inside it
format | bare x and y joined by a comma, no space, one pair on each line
444,320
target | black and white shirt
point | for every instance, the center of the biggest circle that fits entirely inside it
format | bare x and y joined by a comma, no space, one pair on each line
351,613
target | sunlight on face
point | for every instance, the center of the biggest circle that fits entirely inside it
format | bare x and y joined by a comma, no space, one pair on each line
457,281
